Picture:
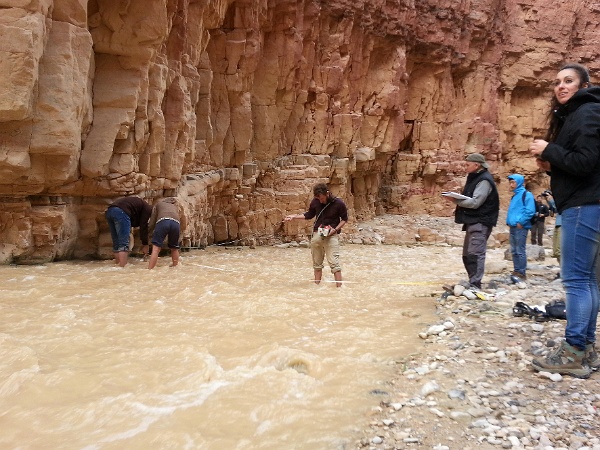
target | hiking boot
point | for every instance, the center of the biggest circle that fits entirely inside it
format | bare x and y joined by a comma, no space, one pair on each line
521,276
565,360
591,357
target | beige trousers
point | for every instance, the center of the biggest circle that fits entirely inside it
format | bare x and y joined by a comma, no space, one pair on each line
325,247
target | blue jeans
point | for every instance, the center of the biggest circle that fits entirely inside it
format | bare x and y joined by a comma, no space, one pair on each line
120,228
164,228
580,238
518,248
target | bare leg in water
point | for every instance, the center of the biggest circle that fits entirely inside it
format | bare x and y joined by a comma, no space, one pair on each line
337,275
121,258
338,278
154,256
174,256
318,275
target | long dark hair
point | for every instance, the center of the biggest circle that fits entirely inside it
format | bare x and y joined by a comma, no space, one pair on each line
555,122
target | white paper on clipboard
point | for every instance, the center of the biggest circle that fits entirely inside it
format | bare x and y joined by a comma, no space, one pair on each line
455,195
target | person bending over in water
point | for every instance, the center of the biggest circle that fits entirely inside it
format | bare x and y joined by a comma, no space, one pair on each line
165,221
123,214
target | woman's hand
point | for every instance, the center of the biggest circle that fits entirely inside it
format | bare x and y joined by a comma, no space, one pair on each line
537,147
543,165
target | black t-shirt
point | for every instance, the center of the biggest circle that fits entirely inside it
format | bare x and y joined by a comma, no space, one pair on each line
330,213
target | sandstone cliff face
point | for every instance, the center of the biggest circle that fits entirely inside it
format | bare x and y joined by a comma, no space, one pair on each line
239,107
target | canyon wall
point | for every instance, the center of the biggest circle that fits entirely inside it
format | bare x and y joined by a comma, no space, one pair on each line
238,107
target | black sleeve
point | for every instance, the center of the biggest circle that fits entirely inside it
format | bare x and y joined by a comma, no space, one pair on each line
144,219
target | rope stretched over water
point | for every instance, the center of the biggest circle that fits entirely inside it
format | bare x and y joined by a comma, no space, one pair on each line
416,283
202,247
332,281
208,267
403,283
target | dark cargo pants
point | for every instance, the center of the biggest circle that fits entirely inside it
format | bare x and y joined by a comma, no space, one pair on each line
474,248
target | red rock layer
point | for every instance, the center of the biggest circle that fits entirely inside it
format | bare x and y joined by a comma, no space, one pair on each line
239,107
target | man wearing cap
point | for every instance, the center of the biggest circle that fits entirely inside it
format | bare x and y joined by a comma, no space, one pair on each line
478,214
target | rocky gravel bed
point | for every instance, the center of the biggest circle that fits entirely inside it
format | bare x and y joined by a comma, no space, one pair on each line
473,386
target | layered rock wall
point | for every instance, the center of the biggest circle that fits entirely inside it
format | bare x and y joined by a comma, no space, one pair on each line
240,107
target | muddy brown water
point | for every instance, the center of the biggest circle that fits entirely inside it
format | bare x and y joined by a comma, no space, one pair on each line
235,348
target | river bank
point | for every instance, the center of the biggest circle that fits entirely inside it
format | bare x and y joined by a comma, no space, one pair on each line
471,385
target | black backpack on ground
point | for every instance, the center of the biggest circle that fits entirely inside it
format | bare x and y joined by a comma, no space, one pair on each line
557,309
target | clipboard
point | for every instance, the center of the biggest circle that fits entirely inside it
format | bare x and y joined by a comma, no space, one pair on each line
455,195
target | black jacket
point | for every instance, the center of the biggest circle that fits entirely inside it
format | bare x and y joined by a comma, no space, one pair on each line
487,213
575,154
541,212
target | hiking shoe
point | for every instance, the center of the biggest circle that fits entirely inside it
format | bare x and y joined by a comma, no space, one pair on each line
565,360
591,356
520,276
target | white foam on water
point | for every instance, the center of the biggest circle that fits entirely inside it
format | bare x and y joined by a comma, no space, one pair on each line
151,414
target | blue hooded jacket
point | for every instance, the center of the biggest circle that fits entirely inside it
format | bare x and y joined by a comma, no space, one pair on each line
521,208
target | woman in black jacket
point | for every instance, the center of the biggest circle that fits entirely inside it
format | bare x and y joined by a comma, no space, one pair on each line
570,153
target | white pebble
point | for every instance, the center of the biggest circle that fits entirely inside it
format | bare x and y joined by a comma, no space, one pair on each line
515,442
458,290
437,412
435,329
551,376
448,325
469,294
429,388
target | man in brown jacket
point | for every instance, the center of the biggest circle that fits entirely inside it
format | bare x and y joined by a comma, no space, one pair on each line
165,221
